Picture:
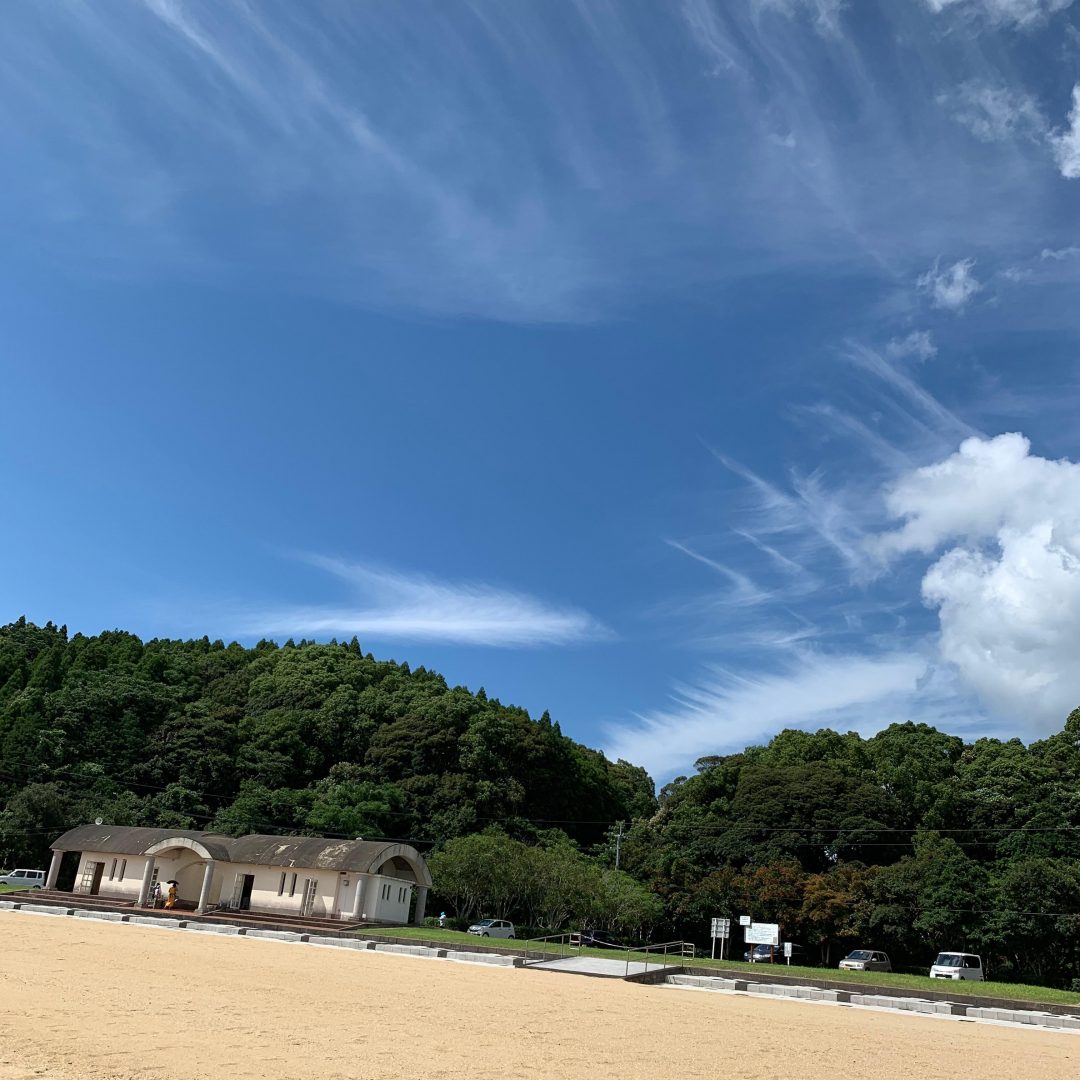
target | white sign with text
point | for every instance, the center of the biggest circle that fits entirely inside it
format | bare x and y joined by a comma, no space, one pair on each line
762,933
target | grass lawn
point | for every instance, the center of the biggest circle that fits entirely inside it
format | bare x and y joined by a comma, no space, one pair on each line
10,888
857,979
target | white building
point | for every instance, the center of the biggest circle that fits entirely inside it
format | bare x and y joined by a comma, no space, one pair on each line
350,880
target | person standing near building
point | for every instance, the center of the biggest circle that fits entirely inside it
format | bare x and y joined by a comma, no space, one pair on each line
170,900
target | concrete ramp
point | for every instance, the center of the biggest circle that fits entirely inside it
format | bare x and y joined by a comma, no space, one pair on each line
592,965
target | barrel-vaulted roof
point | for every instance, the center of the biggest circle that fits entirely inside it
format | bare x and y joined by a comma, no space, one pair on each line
302,852
315,853
132,840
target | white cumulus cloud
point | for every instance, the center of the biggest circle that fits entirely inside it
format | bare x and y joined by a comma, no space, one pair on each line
918,344
951,288
1007,587
1067,144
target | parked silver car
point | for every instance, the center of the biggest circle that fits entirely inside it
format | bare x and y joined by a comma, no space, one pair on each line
25,879
493,928
865,960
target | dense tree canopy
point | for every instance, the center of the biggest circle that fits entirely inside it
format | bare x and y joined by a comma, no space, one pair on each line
303,738
911,841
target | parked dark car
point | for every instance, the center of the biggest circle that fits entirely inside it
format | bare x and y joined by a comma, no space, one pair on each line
774,954
597,939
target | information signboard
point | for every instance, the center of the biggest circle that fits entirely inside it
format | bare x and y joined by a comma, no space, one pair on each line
762,933
744,920
721,928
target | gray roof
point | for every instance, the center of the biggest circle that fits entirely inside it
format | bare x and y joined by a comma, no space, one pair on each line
130,840
306,852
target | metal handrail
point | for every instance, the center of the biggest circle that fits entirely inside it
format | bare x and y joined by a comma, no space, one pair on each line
670,951
676,950
549,940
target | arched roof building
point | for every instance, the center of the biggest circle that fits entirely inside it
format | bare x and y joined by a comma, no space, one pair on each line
354,880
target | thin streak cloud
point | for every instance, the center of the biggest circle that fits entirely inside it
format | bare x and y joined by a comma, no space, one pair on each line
411,607
724,712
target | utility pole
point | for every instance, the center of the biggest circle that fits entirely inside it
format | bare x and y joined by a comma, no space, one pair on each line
618,845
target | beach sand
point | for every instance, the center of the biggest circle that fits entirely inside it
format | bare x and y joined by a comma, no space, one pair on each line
87,999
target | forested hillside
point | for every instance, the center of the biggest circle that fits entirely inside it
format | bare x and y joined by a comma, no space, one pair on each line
911,841
302,738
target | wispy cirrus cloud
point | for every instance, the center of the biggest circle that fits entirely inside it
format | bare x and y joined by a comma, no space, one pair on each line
1059,254
724,712
1002,114
995,113
834,631
825,14
535,165
393,605
1019,13
942,583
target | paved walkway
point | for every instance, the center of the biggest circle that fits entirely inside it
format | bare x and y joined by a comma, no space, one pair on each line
592,965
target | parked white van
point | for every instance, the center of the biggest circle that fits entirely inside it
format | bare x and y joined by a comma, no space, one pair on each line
957,965
27,879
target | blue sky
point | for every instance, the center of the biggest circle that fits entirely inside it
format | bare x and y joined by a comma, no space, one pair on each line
689,370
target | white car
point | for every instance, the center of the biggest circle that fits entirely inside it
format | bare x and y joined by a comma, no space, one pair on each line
865,960
26,879
958,965
492,928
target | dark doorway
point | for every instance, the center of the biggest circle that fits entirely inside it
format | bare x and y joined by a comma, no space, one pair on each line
69,869
245,892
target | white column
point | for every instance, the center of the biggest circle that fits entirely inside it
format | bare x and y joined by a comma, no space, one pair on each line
421,905
204,892
147,877
54,870
358,899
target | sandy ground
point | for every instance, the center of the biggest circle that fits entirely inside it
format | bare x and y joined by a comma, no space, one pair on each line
86,999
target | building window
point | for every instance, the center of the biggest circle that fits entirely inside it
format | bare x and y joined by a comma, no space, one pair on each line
386,892
401,896
112,870
281,885
123,868
292,886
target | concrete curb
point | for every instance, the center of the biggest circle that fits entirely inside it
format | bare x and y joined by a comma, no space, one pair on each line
30,909
427,952
104,916
923,1006
773,974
